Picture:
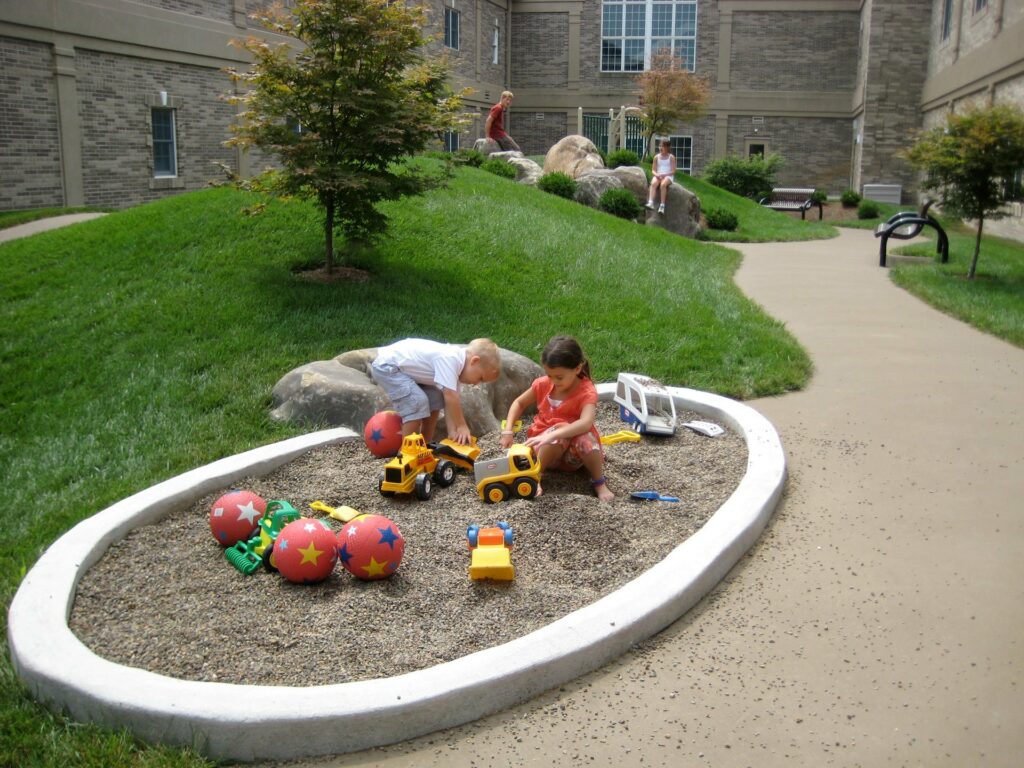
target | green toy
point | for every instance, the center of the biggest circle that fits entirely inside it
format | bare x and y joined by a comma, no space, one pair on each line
246,556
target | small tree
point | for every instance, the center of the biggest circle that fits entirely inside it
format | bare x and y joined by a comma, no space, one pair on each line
970,163
338,109
669,94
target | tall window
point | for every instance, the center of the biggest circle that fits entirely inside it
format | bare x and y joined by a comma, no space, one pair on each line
494,45
947,18
451,28
980,5
682,148
165,150
451,141
632,31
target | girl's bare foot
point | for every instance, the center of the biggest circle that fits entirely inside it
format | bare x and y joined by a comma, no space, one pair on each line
600,487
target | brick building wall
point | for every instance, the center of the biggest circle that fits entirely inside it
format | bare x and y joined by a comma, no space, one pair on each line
222,10
537,132
115,93
30,171
897,57
815,150
794,51
540,57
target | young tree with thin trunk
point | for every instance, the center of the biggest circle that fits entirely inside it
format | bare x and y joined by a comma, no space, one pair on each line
341,105
669,94
971,164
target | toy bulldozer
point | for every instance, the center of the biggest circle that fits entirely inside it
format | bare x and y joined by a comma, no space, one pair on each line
247,556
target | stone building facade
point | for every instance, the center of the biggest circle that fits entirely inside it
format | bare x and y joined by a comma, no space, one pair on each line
94,92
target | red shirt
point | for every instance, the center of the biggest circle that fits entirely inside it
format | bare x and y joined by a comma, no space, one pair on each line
497,117
584,393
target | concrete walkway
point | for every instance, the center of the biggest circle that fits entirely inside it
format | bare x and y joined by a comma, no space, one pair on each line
41,225
880,620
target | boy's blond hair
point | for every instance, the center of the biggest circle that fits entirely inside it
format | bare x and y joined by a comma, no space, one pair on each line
487,351
506,93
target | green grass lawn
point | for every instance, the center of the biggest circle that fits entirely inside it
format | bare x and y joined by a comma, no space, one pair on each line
146,343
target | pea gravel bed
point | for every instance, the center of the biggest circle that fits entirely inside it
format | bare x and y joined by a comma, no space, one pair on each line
165,599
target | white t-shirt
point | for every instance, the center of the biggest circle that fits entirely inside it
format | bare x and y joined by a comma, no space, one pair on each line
425,361
664,164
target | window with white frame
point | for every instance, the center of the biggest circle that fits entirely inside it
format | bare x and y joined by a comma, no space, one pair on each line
165,149
494,44
451,141
947,19
682,148
632,31
451,28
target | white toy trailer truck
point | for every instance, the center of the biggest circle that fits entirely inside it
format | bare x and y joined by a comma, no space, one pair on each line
645,404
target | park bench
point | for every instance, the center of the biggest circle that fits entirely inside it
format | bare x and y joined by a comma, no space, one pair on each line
792,199
907,224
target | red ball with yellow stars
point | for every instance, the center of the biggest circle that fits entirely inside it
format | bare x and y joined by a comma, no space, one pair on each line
370,547
305,551
236,516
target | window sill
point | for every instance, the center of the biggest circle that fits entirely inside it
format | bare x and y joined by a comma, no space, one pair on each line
167,182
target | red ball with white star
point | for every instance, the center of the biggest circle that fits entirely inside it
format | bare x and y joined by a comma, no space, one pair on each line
383,433
305,551
236,516
370,547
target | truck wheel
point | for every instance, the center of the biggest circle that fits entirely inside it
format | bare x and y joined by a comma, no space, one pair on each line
424,486
473,535
267,552
380,486
495,493
526,487
444,473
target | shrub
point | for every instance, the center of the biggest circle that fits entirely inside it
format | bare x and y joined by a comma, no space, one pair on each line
622,157
469,157
719,218
498,168
868,209
849,198
819,196
558,183
620,202
745,177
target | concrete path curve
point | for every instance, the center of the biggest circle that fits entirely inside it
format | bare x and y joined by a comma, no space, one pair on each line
41,225
880,619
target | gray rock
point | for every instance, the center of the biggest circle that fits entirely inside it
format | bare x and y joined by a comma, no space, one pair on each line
592,184
682,212
634,179
574,155
486,146
527,171
340,393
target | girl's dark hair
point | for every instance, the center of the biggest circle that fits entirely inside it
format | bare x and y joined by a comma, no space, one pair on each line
565,352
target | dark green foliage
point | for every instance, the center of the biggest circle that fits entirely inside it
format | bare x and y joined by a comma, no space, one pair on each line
719,218
499,168
471,157
868,209
819,196
752,177
849,198
558,183
621,203
621,157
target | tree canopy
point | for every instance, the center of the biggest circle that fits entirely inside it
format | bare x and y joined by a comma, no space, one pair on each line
669,94
340,104
971,163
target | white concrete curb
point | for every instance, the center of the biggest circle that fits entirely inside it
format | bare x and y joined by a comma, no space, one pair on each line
239,722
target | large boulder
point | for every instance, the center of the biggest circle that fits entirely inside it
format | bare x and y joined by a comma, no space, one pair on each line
486,146
340,393
527,171
682,212
574,155
634,179
592,184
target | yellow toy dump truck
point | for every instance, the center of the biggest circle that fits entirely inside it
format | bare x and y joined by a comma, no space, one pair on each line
491,556
517,473
415,470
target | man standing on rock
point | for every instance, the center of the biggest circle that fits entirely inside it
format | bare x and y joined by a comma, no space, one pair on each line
495,127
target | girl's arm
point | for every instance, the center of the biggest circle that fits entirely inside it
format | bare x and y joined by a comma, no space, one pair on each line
568,431
519,405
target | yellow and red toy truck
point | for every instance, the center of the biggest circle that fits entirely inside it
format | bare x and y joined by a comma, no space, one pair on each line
415,469
517,473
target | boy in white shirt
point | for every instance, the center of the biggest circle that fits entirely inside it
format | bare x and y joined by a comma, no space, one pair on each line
422,377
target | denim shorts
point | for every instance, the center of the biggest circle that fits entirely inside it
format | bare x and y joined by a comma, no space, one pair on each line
411,399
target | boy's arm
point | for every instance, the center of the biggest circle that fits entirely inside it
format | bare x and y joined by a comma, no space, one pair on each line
458,430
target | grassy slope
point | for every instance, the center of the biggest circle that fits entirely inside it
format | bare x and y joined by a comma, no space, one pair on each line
146,343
